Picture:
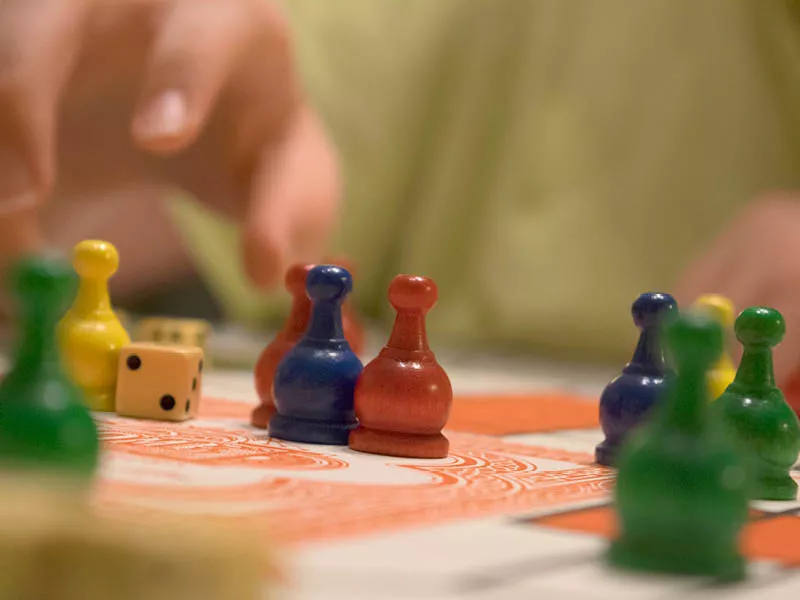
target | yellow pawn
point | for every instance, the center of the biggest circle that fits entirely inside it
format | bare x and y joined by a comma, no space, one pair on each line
90,334
721,310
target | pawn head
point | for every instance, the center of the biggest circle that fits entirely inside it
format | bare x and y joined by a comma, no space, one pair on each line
95,259
759,325
41,282
328,283
341,261
411,292
653,308
296,278
716,307
695,339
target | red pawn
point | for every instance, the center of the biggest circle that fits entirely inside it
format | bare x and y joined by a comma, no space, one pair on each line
353,331
294,328
403,398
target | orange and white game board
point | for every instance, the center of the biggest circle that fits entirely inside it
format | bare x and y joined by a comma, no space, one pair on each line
518,509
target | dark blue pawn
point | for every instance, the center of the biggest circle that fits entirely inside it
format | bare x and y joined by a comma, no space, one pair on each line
314,384
628,398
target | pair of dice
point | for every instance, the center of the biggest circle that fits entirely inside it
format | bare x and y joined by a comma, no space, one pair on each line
159,380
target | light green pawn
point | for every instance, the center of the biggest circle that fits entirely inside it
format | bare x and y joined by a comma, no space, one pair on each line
755,410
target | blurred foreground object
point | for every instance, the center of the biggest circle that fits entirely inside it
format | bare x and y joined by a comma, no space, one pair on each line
52,546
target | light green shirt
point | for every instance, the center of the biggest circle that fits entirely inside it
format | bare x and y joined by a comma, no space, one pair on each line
544,161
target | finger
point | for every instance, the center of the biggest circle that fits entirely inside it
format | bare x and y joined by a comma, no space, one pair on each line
743,286
40,42
711,273
786,355
196,49
294,202
780,295
752,289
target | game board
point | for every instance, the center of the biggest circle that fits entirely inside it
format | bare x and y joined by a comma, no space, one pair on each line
518,509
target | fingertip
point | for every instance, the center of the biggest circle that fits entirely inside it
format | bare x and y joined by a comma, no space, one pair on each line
294,203
20,234
195,51
264,259
162,123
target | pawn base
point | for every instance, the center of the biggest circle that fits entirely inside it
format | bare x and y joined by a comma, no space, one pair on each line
310,431
261,416
691,558
100,401
606,454
404,445
775,487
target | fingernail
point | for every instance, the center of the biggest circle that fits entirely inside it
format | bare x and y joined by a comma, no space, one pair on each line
164,116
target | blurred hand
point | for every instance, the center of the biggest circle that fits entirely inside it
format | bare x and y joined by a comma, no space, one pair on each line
756,262
100,95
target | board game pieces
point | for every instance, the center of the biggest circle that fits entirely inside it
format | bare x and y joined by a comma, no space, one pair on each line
681,494
293,329
403,398
52,546
755,411
156,381
314,384
44,423
721,310
90,333
630,396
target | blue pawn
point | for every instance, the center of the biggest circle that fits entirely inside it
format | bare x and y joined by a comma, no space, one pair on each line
629,396
314,383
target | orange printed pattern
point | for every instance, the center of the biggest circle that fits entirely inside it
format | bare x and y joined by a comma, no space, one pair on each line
775,539
765,538
222,469
219,467
598,521
210,446
508,415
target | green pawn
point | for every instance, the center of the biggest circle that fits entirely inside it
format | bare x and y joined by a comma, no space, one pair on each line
755,410
44,423
681,494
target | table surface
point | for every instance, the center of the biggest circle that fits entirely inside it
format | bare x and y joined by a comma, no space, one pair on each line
493,557
508,551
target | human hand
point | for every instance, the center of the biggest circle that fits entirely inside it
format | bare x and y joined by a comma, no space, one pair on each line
97,95
756,262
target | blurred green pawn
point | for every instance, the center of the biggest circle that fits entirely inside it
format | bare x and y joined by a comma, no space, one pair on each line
44,424
681,494
755,410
